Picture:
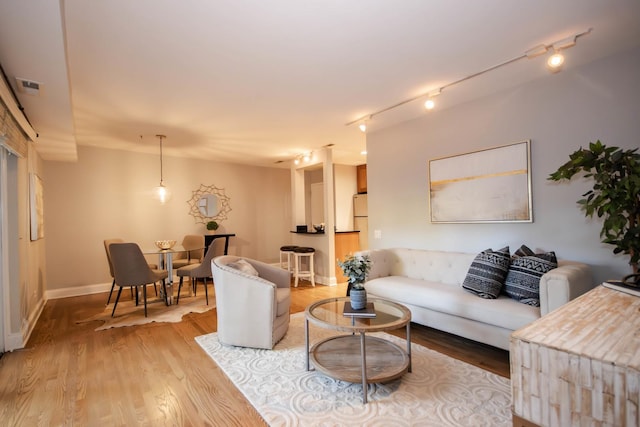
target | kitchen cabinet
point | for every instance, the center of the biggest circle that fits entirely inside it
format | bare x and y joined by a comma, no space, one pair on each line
361,177
347,242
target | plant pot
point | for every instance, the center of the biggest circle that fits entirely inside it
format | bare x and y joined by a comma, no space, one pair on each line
358,299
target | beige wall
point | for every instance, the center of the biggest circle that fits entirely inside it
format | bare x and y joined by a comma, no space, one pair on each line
106,194
558,113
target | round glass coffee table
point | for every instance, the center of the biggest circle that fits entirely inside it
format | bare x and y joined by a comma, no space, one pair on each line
355,357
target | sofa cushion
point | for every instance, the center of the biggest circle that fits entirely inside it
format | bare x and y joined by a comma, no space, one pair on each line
487,273
503,311
523,278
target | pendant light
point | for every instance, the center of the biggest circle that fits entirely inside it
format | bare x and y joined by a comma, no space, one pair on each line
161,193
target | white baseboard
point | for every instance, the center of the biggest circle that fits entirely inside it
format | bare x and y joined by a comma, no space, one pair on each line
77,291
16,341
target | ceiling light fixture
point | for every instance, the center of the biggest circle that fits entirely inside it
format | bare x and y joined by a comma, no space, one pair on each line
363,124
430,103
305,157
531,53
161,192
555,61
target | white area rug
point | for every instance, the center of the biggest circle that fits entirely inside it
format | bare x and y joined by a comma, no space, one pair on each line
441,391
128,314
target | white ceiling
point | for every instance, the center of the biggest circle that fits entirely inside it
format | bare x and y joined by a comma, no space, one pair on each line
256,81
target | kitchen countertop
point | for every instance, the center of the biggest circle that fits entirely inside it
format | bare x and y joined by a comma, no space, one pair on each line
313,232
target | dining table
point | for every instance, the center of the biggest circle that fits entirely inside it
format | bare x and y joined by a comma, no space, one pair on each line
165,260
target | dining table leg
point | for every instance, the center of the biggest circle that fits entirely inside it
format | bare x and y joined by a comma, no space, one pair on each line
165,259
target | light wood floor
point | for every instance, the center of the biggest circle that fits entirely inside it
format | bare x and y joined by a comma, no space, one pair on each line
153,374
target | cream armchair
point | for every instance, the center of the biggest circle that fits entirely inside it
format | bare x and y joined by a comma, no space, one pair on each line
253,310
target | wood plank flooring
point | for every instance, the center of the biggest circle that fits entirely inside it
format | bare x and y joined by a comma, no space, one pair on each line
153,374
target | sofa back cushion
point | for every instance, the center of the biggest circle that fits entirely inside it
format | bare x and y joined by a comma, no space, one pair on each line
435,266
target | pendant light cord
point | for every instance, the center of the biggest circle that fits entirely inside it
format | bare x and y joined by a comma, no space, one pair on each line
161,180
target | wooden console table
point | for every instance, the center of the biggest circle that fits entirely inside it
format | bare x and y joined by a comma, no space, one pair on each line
580,364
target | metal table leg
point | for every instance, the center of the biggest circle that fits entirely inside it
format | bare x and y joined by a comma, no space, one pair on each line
306,340
363,352
409,343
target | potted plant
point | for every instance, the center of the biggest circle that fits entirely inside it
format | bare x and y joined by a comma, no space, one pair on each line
615,195
356,268
212,226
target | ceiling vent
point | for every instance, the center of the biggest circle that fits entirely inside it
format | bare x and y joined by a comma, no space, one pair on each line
28,87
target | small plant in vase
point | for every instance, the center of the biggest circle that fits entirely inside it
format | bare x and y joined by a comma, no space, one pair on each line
212,226
356,268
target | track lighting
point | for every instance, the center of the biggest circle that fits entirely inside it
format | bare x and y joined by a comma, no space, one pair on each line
554,63
363,124
306,158
430,103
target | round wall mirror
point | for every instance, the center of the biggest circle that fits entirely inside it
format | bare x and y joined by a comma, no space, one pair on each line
209,203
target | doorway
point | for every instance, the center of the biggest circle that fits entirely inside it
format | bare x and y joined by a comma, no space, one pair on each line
8,235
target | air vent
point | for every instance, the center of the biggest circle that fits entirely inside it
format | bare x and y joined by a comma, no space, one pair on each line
28,87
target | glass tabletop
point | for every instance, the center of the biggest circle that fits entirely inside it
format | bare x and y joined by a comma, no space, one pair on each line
328,313
155,250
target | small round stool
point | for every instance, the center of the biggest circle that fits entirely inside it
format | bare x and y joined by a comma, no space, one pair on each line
288,251
299,253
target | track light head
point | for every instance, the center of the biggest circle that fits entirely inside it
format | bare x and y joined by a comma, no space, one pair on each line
429,104
363,126
555,61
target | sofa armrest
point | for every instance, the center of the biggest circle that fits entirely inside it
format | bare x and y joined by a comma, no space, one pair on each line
562,284
381,262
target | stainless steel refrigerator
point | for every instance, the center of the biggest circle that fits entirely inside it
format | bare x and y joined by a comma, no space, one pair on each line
361,219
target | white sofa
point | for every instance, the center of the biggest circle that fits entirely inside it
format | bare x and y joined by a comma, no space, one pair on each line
429,283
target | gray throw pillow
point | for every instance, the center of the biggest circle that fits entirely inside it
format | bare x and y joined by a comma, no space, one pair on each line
244,266
486,275
523,278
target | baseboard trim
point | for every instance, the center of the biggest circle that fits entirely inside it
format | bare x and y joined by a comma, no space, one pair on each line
76,291
16,341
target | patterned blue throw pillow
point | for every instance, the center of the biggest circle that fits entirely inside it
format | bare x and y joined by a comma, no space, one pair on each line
523,278
487,273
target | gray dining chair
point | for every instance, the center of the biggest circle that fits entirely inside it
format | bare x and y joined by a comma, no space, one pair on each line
107,243
131,269
194,244
197,271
